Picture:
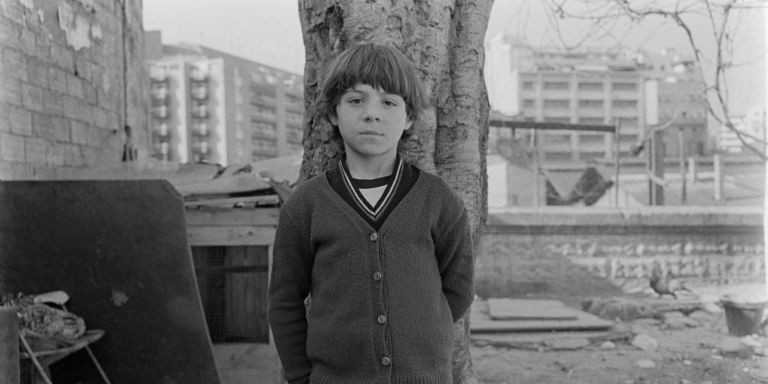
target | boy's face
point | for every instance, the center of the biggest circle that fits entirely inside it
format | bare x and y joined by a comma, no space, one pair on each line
371,121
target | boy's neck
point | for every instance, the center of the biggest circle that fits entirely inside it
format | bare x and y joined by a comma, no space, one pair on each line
370,168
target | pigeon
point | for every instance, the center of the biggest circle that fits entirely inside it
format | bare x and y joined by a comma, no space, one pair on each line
665,285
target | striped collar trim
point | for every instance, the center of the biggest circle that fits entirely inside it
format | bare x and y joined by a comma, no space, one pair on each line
373,212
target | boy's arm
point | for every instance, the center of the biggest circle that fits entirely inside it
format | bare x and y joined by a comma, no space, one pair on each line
455,259
288,287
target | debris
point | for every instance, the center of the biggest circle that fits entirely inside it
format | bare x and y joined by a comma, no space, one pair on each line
567,344
752,341
529,309
677,320
733,347
617,308
645,364
645,342
608,345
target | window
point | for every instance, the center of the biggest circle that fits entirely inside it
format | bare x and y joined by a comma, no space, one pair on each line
558,104
627,138
628,121
590,103
294,119
591,120
591,138
529,103
624,86
263,113
590,86
558,156
587,156
527,84
557,85
625,103
564,120
559,138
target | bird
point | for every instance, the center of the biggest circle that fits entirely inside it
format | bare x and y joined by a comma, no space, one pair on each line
665,285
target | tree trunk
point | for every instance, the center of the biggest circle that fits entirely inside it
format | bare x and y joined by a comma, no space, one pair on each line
445,40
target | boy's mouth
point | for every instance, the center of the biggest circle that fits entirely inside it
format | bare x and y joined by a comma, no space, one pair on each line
375,133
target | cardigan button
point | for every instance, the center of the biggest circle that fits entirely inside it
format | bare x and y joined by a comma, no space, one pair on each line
381,319
386,361
377,275
374,236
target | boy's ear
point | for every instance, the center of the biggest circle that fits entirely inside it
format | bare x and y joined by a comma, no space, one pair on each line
333,118
408,124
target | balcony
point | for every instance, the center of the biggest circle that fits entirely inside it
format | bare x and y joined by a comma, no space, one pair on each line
200,92
158,74
162,130
197,74
200,111
200,129
160,112
159,92
200,147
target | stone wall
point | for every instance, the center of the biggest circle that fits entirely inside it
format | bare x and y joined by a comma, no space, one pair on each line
587,252
64,65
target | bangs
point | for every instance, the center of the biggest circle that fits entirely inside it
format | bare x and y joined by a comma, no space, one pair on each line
378,70
380,67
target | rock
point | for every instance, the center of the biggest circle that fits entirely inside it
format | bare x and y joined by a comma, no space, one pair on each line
677,320
608,345
645,342
712,308
752,341
732,347
569,344
645,364
620,308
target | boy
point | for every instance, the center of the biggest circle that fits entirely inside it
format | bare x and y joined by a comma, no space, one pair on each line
383,248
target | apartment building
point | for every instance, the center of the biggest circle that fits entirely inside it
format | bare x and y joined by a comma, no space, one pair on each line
682,104
597,86
210,106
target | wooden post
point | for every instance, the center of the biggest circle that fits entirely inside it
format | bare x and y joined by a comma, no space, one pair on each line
9,345
681,158
656,165
536,189
718,171
617,140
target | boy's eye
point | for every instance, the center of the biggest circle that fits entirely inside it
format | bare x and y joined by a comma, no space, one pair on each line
354,100
391,103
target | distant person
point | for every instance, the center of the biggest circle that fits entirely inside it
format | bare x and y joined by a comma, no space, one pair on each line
382,247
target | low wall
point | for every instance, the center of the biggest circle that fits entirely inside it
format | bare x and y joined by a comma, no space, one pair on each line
580,251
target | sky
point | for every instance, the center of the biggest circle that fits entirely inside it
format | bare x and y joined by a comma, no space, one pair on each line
269,32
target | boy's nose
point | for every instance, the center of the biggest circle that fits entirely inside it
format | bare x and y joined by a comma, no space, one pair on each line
372,113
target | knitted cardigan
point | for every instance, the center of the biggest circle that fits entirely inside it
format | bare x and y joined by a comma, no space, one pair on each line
383,303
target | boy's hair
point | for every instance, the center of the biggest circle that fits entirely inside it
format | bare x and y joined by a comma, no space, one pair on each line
376,65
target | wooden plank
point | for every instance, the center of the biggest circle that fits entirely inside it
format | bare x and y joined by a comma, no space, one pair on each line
235,295
228,236
528,309
261,301
481,322
119,250
224,185
231,202
267,216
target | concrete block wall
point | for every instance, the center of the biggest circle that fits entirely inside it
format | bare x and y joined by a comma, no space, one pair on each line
582,252
64,66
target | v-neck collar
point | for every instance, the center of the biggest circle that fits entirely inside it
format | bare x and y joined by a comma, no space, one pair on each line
394,211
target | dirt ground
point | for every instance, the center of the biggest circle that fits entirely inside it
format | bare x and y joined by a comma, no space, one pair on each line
689,348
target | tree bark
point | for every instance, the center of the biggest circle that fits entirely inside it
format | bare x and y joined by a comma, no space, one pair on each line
445,39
